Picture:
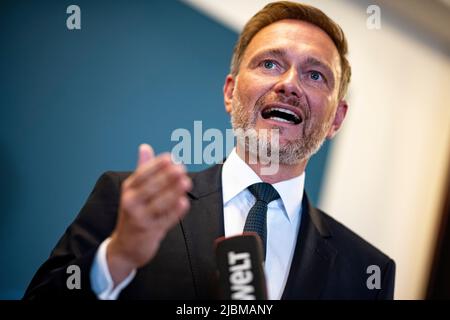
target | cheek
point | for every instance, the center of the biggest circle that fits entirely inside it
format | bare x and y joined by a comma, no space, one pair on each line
251,88
321,105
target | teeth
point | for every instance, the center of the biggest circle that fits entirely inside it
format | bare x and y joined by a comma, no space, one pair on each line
280,119
285,111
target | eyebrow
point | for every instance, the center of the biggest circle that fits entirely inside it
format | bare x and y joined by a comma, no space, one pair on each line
311,61
278,53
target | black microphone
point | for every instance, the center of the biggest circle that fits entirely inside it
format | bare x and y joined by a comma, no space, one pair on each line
241,271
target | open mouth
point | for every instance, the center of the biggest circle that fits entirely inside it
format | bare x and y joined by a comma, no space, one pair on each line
282,114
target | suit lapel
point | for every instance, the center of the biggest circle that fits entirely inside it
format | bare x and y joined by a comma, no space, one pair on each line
313,257
202,225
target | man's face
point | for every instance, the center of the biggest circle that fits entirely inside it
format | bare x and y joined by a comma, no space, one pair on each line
288,80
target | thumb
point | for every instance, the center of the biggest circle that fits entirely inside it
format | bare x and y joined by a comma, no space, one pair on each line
145,154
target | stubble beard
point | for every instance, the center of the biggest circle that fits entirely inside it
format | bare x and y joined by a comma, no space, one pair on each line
291,152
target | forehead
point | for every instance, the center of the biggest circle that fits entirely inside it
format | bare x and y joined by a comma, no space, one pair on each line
298,38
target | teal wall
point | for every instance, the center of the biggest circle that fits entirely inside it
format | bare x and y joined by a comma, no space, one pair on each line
77,103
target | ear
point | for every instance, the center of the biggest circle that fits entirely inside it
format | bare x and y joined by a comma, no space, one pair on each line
228,90
339,116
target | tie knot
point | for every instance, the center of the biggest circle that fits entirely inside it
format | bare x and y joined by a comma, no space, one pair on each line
264,192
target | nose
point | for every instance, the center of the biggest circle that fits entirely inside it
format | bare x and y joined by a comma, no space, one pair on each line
289,84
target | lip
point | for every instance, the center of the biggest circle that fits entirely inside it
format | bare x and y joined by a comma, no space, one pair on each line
296,110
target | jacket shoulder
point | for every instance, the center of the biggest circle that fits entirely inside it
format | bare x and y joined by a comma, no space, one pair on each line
350,244
359,263
118,176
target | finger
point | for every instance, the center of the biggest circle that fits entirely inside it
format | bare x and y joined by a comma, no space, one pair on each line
165,200
178,187
145,154
169,177
147,170
174,214
170,202
172,179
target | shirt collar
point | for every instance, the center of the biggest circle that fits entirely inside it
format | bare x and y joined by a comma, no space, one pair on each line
237,176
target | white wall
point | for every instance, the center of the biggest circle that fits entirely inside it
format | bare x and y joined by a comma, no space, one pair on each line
387,172
387,168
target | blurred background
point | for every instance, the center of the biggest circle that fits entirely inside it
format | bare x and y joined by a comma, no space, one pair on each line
76,103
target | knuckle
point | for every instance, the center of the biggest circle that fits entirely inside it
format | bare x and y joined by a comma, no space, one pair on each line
151,186
155,208
175,171
128,199
184,204
126,183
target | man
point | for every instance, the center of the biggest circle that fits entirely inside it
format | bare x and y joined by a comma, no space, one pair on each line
150,234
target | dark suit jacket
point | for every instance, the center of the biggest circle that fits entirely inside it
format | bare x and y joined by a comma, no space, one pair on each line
330,261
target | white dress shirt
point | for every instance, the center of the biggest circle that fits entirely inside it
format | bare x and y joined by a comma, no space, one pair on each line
283,223
283,217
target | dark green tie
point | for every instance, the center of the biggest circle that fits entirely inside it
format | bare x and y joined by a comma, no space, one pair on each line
256,219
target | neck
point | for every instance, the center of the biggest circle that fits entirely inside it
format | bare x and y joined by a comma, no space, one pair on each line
284,172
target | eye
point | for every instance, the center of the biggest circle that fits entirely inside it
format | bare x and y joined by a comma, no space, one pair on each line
316,76
269,64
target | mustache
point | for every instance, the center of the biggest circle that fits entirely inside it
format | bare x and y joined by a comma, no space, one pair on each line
295,102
